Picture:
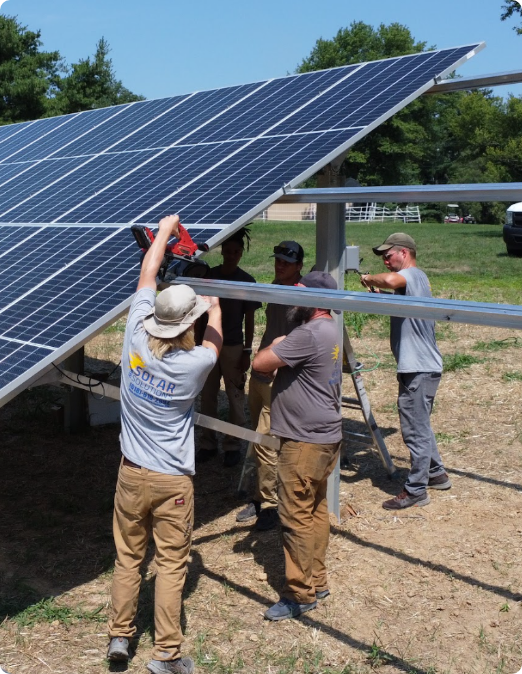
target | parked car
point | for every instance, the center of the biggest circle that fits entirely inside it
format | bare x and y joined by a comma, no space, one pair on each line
452,217
512,231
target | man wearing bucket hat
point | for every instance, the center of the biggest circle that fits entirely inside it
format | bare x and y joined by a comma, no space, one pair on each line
288,262
419,368
162,373
306,415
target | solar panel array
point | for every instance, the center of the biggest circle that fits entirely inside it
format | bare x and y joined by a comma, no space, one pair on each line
71,186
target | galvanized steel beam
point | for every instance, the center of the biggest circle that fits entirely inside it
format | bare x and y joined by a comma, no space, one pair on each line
407,193
476,82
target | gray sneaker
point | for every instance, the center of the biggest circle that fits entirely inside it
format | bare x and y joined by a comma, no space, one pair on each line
439,482
286,608
179,666
118,650
406,500
249,512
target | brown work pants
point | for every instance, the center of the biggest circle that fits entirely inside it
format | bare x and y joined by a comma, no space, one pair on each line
147,501
228,366
303,470
259,399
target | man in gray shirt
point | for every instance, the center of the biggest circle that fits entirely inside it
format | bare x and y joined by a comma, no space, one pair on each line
419,368
306,415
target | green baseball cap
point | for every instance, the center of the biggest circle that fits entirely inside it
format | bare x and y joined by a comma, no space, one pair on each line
397,239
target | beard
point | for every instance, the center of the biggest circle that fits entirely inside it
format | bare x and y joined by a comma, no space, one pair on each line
299,315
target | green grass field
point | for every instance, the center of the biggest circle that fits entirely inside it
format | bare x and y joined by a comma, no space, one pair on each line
466,262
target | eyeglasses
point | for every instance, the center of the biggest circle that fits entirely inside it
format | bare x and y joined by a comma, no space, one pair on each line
389,255
289,252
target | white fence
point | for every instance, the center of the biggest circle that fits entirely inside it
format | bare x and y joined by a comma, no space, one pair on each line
364,213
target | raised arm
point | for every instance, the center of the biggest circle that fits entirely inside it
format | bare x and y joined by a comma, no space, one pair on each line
168,226
213,337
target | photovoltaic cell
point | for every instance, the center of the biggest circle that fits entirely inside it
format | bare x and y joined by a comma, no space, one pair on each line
71,186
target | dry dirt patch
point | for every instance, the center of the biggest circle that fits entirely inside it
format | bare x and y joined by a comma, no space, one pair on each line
436,589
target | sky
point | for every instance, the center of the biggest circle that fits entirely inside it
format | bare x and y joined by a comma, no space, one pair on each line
168,47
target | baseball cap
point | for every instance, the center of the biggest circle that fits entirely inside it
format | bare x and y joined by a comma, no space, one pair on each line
397,239
290,251
176,308
320,279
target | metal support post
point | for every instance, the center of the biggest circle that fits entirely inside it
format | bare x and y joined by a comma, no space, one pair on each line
75,412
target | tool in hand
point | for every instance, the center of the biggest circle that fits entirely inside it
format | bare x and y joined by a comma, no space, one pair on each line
180,257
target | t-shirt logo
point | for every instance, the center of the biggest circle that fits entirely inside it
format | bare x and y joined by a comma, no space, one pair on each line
135,360
335,352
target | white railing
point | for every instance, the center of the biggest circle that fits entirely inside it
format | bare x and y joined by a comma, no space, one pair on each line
374,213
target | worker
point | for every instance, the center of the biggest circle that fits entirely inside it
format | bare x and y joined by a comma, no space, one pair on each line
162,373
306,416
419,368
288,262
234,359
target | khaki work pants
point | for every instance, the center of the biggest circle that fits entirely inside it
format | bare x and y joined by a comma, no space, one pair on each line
259,399
303,470
228,366
147,501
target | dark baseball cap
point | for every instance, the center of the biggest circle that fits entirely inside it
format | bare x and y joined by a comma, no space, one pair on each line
290,251
397,239
320,279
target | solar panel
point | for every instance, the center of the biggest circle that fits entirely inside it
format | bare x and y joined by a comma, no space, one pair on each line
71,186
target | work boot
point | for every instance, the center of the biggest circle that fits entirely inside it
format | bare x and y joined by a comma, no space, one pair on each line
179,666
406,500
286,608
439,482
268,519
118,650
249,512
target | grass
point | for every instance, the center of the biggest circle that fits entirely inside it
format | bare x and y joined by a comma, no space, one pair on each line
459,361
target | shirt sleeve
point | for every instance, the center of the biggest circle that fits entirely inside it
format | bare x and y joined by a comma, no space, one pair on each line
297,347
141,307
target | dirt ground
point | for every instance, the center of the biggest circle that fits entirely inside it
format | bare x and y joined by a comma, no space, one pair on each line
429,590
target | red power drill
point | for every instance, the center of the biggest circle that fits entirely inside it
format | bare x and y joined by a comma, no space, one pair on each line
180,257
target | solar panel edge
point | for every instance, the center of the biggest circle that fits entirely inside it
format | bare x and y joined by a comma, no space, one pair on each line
31,376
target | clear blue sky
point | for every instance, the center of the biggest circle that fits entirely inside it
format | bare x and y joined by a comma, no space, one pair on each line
167,47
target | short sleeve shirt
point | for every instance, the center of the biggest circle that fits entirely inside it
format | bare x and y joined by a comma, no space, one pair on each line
306,395
412,340
157,396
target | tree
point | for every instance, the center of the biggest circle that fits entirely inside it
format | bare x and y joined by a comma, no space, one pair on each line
90,84
27,75
510,8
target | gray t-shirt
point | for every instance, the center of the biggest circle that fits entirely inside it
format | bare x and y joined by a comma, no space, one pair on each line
306,395
412,340
157,396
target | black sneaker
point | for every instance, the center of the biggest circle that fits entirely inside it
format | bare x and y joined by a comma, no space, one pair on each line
205,455
232,458
439,482
322,594
406,500
268,519
249,512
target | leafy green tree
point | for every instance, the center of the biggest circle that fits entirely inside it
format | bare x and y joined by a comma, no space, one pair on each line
90,83
511,8
27,74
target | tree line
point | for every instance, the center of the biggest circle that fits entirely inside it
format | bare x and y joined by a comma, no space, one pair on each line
458,137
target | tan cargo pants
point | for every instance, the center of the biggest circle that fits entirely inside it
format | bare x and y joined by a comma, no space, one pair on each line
259,399
147,501
303,470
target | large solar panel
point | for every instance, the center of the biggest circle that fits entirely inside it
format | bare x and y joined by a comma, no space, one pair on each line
71,186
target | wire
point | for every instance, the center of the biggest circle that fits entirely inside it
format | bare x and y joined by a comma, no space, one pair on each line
90,383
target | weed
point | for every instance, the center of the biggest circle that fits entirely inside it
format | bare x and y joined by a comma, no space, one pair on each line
504,608
444,438
47,611
459,361
497,344
514,375
377,657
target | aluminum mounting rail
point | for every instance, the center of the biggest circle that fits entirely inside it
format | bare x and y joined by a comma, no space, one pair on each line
406,194
455,311
476,82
